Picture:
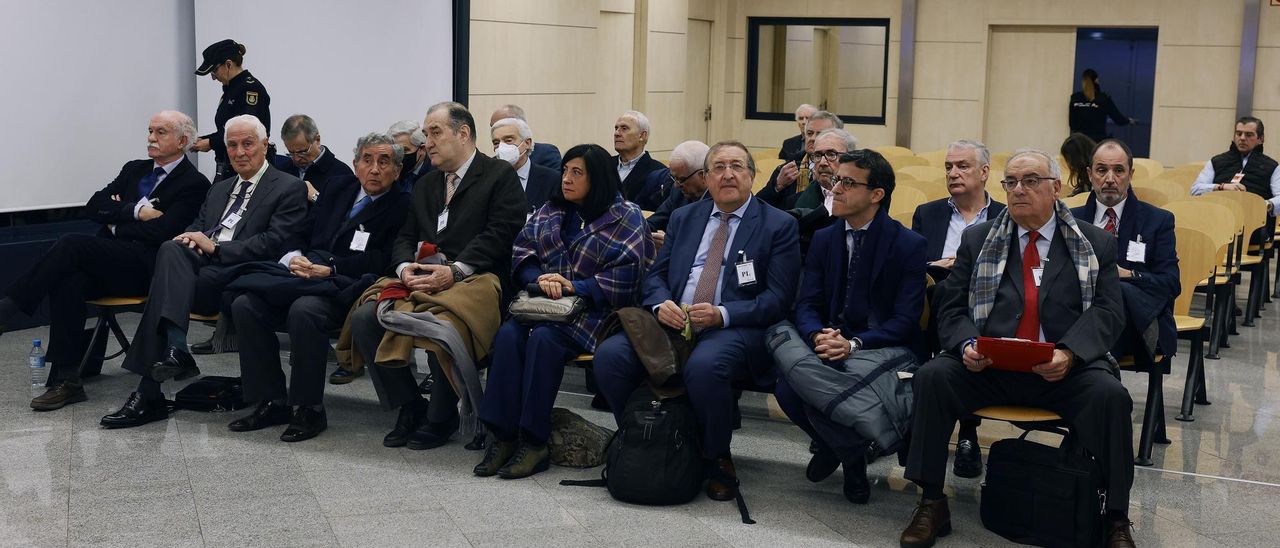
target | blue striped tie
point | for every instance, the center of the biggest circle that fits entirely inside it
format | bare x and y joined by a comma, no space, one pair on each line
360,205
148,182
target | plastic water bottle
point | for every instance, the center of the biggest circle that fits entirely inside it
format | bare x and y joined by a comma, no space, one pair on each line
39,374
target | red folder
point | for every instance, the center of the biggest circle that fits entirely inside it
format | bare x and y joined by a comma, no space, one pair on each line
1012,354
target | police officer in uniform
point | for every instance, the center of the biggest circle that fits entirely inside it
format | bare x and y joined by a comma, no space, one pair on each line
242,93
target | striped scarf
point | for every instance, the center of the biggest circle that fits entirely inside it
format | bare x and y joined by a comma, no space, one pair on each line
995,253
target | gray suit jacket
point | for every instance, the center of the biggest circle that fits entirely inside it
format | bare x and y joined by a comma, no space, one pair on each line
272,224
1089,334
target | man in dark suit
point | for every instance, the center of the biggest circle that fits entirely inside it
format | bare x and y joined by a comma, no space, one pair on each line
793,147
512,143
408,134
644,180
1071,299
863,289
689,177
941,222
149,202
471,208
351,229
256,215
1146,250
795,175
307,159
728,270
544,154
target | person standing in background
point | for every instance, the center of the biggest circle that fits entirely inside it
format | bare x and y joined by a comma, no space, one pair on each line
1090,108
242,93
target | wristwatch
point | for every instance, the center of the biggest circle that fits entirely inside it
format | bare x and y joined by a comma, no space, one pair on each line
855,344
458,275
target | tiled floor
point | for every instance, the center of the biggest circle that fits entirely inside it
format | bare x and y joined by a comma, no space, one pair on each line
191,482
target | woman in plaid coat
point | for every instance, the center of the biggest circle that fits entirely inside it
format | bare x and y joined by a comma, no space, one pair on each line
586,241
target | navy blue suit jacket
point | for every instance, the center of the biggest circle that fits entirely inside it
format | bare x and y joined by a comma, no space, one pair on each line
1151,295
933,219
542,182
326,166
765,235
546,155
330,231
895,292
647,184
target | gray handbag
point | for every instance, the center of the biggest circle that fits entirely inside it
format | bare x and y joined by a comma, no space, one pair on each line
532,306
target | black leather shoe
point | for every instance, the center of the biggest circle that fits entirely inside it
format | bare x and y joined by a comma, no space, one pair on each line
177,364
968,461
306,423
931,520
267,414
205,347
137,411
822,465
857,489
428,382
432,435
599,403
342,376
1119,534
410,417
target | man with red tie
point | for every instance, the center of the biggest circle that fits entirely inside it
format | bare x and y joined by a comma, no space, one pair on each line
1034,273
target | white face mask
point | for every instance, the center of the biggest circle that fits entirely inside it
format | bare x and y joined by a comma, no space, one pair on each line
508,153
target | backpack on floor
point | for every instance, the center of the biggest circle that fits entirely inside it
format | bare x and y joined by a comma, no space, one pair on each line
211,393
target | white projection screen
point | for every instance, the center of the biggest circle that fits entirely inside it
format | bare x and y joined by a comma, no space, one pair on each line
83,76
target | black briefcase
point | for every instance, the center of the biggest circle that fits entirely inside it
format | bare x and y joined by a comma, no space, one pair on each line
1042,495
211,394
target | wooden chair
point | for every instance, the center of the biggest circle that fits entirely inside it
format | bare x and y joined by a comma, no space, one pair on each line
766,154
1254,213
1217,221
923,172
1152,167
889,151
899,162
1076,201
933,190
1198,257
764,168
905,201
106,309
936,158
1151,195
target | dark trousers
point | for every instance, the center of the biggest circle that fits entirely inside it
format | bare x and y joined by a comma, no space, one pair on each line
1091,400
719,357
184,282
528,365
308,321
844,441
395,385
79,267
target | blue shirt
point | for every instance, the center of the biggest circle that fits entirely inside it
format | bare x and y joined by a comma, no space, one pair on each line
957,225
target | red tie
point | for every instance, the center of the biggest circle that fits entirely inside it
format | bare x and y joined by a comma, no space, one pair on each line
1110,216
1029,325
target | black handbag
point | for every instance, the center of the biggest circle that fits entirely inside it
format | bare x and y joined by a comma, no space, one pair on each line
1042,495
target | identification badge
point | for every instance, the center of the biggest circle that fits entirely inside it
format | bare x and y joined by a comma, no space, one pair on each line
1037,273
1136,253
442,221
1237,178
359,240
746,273
231,220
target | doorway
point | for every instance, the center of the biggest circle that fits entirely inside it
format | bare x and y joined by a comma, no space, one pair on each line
1125,59
697,91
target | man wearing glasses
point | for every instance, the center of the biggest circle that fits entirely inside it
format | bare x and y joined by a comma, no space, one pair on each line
730,271
688,182
858,310
783,188
1032,273
307,159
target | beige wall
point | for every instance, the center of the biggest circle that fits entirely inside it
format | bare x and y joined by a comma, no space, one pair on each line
575,64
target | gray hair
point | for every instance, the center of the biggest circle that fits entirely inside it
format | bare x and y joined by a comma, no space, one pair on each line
751,162
299,124
372,139
459,116
836,122
850,142
408,127
642,121
691,153
1054,170
980,151
181,124
246,119
521,126
805,106
512,111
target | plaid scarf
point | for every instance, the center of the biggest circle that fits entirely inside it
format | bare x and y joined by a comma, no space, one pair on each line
995,253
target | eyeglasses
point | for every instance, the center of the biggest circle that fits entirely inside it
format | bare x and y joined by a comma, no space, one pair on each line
302,153
738,168
1030,182
828,155
847,183
679,181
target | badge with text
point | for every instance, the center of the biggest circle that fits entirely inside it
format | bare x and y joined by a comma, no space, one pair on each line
442,221
360,239
1037,273
251,97
1237,178
746,270
1136,252
231,220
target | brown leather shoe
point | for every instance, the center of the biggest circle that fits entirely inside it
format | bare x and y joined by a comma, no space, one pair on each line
59,396
932,519
1119,534
717,490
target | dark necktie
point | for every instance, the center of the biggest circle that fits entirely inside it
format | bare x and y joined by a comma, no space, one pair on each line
360,205
1110,216
851,270
237,202
1029,325
705,291
148,182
